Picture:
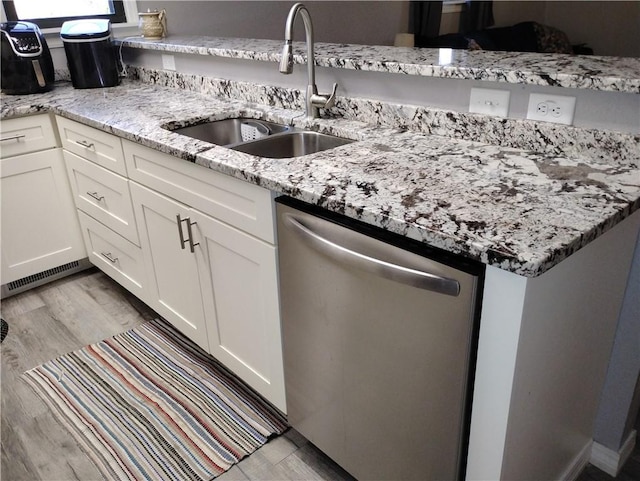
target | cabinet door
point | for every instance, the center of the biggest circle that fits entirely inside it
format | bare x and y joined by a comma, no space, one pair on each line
172,271
240,293
241,204
40,228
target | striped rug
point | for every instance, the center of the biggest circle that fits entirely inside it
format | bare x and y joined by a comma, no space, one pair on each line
149,404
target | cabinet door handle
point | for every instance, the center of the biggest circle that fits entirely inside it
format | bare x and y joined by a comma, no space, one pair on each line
109,257
180,233
13,137
190,232
84,143
184,241
96,196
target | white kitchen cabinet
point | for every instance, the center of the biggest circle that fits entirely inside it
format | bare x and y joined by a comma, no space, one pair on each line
102,194
213,278
27,134
97,175
40,229
114,255
94,145
240,295
196,245
238,203
172,269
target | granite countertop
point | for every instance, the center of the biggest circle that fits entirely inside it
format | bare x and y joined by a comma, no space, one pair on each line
518,210
615,74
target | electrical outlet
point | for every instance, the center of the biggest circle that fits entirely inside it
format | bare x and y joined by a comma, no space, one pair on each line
489,101
168,62
551,108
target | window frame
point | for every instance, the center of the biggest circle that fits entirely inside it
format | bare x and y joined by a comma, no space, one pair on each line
119,17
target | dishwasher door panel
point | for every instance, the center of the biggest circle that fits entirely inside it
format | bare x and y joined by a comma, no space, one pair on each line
376,371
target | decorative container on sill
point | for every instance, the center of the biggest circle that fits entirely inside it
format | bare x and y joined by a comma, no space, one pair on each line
153,25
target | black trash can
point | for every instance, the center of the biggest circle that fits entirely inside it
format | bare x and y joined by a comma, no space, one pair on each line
91,56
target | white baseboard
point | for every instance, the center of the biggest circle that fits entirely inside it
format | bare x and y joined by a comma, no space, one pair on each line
610,461
578,464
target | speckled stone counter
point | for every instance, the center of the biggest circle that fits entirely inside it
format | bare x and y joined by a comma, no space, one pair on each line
558,70
518,210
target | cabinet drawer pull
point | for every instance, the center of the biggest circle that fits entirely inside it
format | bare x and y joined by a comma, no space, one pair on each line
109,257
180,233
84,143
96,196
13,137
184,241
191,244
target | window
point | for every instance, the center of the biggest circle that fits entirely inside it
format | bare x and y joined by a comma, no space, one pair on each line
52,14
453,6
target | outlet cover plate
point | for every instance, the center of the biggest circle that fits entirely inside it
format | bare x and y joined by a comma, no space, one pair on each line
551,108
489,102
168,62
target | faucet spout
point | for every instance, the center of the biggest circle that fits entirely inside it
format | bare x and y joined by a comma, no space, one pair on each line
314,101
286,62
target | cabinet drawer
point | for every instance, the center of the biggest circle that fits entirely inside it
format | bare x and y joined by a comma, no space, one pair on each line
103,195
240,204
100,147
27,134
116,256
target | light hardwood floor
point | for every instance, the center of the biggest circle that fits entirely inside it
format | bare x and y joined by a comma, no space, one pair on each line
85,308
66,315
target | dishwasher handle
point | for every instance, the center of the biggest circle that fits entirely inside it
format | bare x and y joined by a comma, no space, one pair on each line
394,272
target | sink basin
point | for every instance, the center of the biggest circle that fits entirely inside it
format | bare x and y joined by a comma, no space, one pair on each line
291,144
231,131
261,138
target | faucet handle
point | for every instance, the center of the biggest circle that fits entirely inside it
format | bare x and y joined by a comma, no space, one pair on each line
323,101
331,101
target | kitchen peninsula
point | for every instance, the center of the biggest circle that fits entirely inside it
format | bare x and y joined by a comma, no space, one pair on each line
555,222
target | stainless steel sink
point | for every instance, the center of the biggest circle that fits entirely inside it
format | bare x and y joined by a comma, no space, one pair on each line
291,144
228,132
261,138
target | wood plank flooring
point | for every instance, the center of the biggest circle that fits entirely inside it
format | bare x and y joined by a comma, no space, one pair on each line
85,308
44,323
66,315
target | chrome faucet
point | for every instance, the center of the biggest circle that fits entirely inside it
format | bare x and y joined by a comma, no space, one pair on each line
314,101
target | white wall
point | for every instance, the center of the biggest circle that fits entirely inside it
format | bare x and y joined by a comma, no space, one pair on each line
534,409
617,411
358,22
567,333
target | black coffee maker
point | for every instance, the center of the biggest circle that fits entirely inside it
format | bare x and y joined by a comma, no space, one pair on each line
26,66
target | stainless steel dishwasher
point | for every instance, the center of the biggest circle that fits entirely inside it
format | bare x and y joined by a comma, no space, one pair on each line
379,343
